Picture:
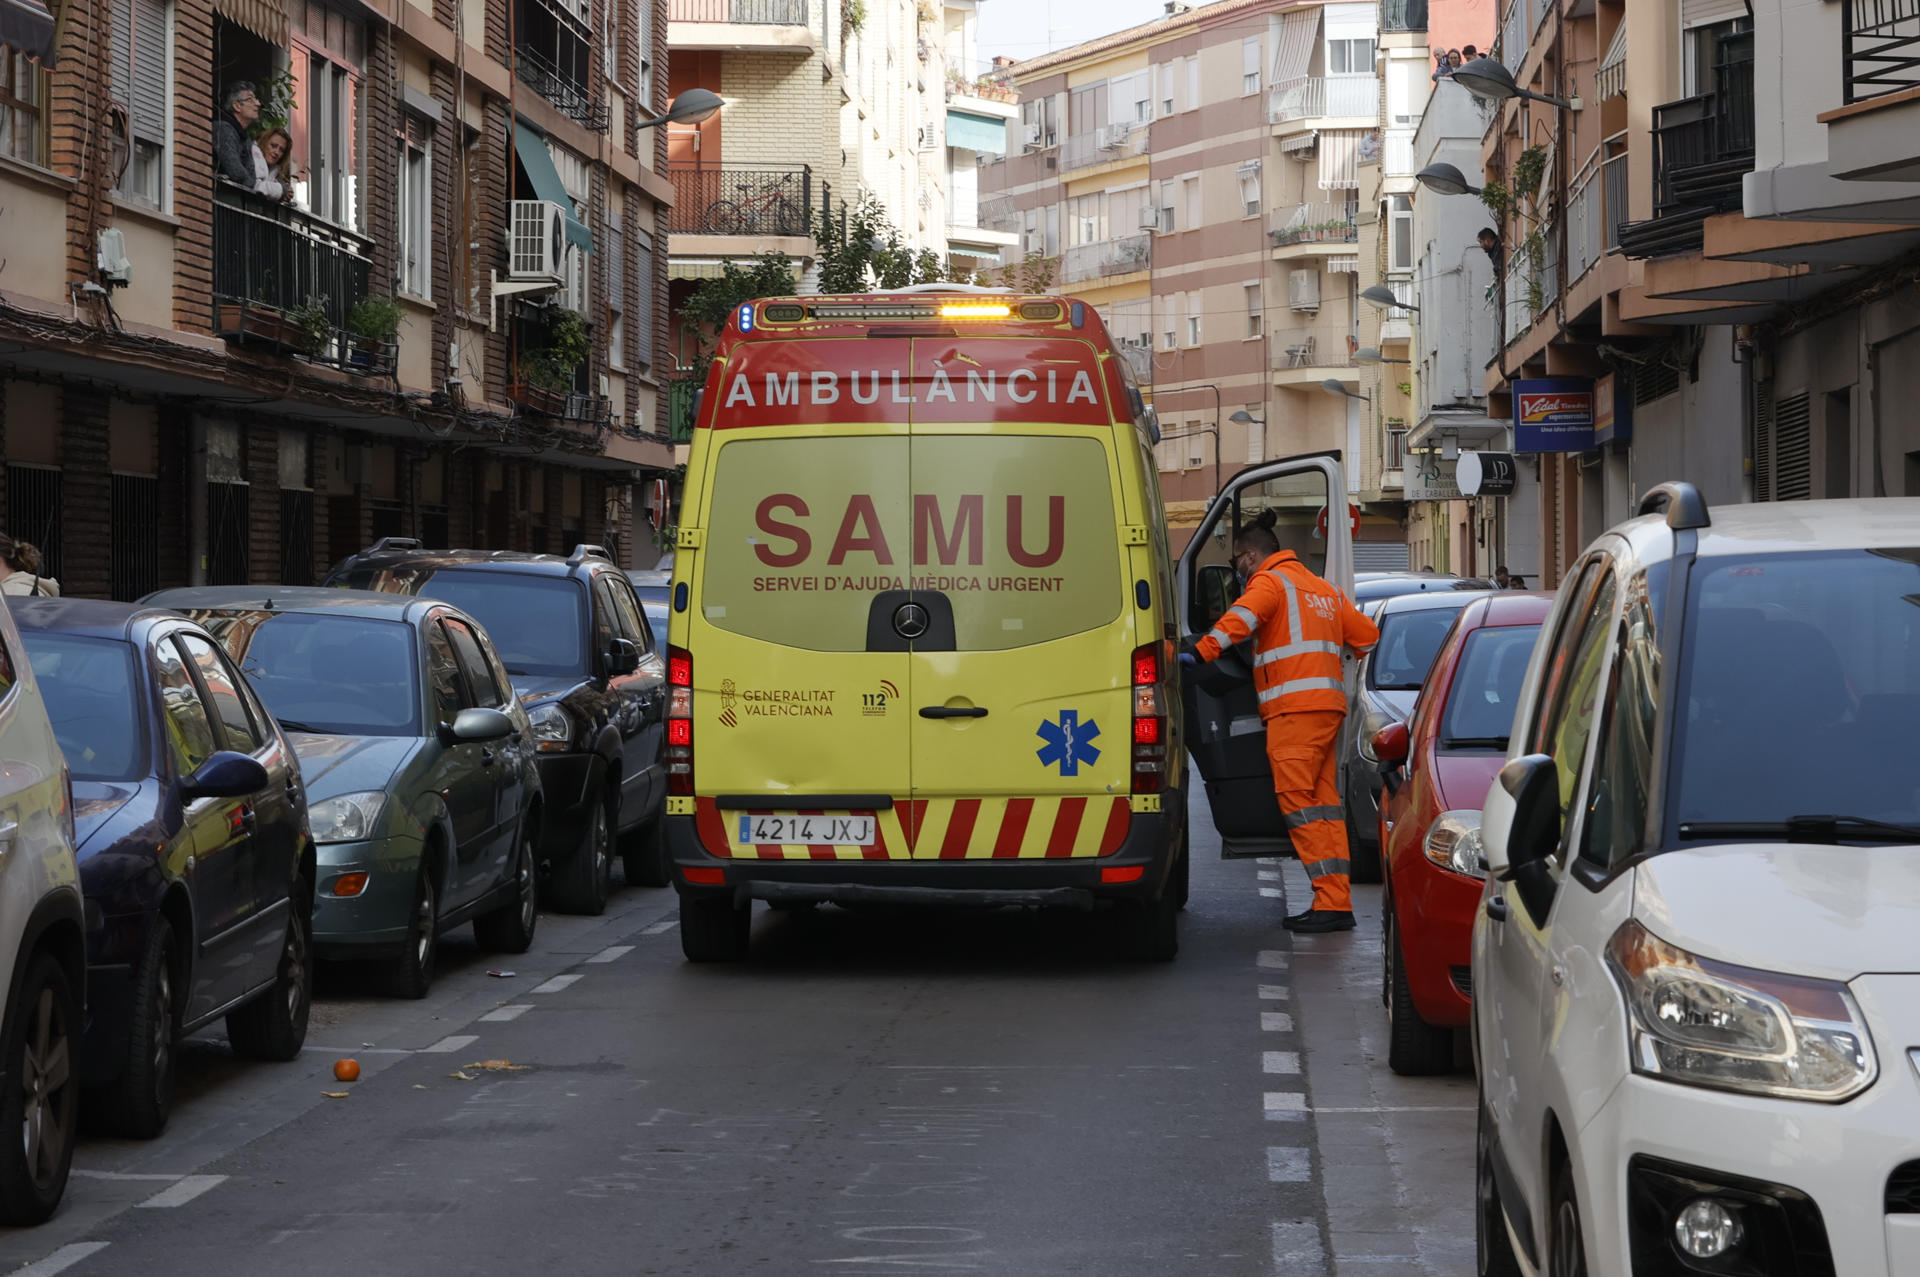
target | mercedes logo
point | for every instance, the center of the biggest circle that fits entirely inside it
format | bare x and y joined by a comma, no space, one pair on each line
910,620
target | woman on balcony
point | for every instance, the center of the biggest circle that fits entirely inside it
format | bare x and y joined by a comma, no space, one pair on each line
273,165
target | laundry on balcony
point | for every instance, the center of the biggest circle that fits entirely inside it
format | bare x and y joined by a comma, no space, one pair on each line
26,26
531,146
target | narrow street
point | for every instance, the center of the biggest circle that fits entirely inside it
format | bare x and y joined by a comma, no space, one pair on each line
875,1093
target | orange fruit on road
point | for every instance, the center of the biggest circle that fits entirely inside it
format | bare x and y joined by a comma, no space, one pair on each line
347,1070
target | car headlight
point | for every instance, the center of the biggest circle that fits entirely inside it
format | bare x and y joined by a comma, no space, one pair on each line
1453,842
552,729
346,817
1709,1023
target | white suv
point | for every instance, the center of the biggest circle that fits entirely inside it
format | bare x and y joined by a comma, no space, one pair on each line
42,949
1696,970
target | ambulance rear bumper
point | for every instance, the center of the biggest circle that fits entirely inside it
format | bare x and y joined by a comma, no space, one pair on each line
1150,845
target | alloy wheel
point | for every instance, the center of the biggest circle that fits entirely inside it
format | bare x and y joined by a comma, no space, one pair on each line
1568,1258
46,1070
162,1044
528,905
293,961
423,923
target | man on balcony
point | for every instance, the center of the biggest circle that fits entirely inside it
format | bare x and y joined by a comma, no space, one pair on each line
232,149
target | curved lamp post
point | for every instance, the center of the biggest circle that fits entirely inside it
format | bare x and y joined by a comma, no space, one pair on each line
1444,179
690,107
1486,78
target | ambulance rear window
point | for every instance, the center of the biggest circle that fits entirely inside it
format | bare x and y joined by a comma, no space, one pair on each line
1018,531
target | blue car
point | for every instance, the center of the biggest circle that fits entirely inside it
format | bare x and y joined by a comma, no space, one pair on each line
195,858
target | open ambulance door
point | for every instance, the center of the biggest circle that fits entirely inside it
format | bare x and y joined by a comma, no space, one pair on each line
1224,734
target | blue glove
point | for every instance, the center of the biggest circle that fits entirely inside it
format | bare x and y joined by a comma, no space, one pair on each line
1189,659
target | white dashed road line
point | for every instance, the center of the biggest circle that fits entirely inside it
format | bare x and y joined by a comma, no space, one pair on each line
612,953
1289,1102
1280,1062
1272,893
61,1260
121,1175
1273,959
1289,1166
448,1045
184,1190
656,928
1273,992
1298,1250
556,984
1276,1022
505,1013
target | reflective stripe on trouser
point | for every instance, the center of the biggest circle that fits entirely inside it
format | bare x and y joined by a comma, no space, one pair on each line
1301,748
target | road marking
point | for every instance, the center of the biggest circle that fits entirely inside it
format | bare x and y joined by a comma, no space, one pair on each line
357,1050
448,1045
1273,992
1268,875
61,1260
1272,893
556,984
613,953
1280,1061
122,1175
1284,1102
184,1190
1403,1108
1297,1249
508,1013
1289,1166
1276,1022
1273,959
656,928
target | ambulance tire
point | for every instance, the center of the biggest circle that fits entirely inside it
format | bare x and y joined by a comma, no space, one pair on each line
714,930
1150,929
1178,876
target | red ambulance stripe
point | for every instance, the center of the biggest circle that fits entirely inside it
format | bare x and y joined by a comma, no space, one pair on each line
711,829
1066,827
960,829
912,815
878,851
1118,822
1013,828
771,851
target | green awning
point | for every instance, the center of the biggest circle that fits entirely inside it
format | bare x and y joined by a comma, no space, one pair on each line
977,132
537,160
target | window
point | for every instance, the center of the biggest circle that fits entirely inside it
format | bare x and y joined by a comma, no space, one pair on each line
616,255
1249,176
1350,57
606,619
333,94
1168,332
1193,83
1190,192
1572,691
93,701
1196,453
479,675
1400,241
643,21
1250,65
23,96
413,264
1166,208
1087,218
188,728
237,727
1168,74
443,672
1254,317
633,622
610,39
642,244
1193,317
1053,230
143,76
1256,436
1623,770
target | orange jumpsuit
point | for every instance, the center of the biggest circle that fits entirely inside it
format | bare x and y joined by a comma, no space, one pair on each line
1300,624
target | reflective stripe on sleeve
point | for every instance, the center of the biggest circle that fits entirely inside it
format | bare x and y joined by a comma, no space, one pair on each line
1220,636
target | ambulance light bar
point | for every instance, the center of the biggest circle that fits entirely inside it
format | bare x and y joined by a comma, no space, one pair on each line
793,312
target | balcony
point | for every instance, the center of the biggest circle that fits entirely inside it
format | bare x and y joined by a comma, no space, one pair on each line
770,26
1139,357
1104,145
1403,15
553,56
1324,97
287,281
1106,258
1292,224
682,391
1702,148
1880,48
1586,214
1301,356
760,202
782,13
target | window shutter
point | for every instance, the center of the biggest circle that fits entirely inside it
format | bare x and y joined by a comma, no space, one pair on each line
1793,448
149,87
122,51
642,319
1250,55
614,255
1303,288
1763,441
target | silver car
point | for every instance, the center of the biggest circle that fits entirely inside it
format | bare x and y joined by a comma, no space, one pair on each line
1381,690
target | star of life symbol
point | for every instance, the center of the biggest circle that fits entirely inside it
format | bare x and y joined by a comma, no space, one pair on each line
1069,743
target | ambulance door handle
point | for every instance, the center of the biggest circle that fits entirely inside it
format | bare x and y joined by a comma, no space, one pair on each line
953,711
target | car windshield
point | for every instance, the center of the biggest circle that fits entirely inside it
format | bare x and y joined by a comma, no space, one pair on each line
88,685
323,672
1479,713
1799,688
1408,643
534,621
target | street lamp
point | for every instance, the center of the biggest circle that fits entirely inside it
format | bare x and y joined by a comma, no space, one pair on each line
1333,386
1382,296
1372,355
1486,78
1444,179
690,107
1245,418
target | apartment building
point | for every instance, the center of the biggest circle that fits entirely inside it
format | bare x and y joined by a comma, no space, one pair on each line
444,330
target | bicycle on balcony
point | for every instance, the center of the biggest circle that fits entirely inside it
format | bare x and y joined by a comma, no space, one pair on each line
771,210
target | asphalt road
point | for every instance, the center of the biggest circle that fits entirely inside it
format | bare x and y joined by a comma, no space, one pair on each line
875,1093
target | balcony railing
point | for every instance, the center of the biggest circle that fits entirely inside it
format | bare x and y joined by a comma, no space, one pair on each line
1586,211
287,280
1315,97
1880,50
1139,358
1313,224
1399,153
681,393
1702,148
567,92
1614,178
782,13
1108,257
553,55
1403,15
1318,347
1104,145
723,200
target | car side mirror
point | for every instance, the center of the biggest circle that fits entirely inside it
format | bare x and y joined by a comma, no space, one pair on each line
1533,831
623,657
477,725
226,774
1390,743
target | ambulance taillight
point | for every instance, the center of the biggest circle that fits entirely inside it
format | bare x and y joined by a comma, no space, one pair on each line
679,751
1150,667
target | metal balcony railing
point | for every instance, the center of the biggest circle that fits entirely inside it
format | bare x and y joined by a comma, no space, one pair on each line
278,270
1586,211
1323,346
570,93
1314,97
782,13
1403,15
1516,26
681,392
1104,145
1398,160
1614,178
723,200
1880,48
1702,149
1107,257
1313,224
1139,357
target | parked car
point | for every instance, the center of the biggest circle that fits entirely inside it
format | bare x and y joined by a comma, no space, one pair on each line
590,673
194,852
1372,589
1451,749
43,959
1696,988
652,587
1380,690
419,765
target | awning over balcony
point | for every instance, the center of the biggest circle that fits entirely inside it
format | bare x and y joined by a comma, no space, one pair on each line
1299,32
1339,159
964,250
1610,80
265,18
26,26
976,132
531,146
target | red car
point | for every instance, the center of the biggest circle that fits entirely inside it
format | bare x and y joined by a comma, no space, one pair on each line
1430,828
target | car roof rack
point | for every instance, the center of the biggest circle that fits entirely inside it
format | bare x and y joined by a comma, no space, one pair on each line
397,543
1681,503
583,552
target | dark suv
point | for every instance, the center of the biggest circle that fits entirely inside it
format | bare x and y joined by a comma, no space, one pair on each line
585,666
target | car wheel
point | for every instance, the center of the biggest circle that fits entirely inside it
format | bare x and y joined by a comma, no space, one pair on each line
136,1103
509,929
1566,1247
1150,929
584,880
643,854
412,973
41,1052
714,929
1414,1047
1491,1243
1363,854
274,1025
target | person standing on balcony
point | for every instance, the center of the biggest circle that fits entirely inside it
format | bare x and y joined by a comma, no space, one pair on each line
1442,68
273,165
232,152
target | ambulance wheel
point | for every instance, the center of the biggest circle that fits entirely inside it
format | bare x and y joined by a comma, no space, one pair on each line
1178,876
714,929
1150,929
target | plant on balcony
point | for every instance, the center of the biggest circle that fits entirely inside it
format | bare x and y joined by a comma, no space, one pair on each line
374,324
310,327
853,16
709,306
277,93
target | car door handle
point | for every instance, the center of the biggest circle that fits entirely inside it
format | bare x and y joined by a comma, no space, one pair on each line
1497,908
953,711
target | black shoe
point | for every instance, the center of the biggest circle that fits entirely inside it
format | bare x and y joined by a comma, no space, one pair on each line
1316,921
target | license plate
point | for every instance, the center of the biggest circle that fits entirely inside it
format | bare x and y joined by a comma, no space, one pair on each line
816,831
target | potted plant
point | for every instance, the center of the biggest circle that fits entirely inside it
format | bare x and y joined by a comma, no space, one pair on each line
309,327
546,374
374,323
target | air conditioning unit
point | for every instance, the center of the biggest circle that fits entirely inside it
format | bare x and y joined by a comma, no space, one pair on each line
537,242
1303,289
1103,138
1149,219
1033,135
1117,131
